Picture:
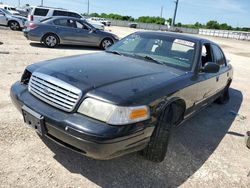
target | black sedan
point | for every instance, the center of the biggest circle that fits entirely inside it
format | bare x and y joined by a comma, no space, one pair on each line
126,99
67,30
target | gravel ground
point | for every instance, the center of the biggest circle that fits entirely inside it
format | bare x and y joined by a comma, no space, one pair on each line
207,151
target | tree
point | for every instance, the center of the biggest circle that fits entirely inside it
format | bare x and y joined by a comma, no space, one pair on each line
179,24
224,26
169,21
213,25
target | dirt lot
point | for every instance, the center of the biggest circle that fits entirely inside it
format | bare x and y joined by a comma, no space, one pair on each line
207,151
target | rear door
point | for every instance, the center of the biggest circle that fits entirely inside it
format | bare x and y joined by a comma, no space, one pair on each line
65,28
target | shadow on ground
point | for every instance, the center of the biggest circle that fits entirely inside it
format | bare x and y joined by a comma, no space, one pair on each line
189,148
66,47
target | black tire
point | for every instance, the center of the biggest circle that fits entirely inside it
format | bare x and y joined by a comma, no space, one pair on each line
14,25
157,147
247,139
224,97
107,42
50,40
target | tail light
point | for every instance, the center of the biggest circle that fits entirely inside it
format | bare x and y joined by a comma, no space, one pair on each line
30,18
32,26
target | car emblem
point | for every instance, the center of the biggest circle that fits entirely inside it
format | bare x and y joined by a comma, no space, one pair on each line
46,91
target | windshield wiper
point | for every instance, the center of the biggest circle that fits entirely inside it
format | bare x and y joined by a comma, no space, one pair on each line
114,52
150,58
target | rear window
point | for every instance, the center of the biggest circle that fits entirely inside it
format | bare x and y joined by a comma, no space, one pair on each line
41,12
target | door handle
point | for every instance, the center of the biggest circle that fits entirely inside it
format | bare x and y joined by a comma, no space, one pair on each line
217,78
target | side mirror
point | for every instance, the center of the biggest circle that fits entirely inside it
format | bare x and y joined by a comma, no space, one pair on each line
2,14
211,67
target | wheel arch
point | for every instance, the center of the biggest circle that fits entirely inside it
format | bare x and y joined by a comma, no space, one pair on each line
178,105
9,21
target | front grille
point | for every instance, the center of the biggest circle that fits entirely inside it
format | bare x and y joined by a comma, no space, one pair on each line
54,91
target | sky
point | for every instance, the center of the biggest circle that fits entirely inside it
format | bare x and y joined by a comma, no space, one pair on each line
233,12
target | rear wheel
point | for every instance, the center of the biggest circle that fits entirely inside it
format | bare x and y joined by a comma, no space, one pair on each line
107,42
157,147
50,40
14,25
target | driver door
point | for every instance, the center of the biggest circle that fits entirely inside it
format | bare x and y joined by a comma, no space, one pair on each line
85,35
208,85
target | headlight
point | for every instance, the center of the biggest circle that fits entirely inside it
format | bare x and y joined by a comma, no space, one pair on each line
112,114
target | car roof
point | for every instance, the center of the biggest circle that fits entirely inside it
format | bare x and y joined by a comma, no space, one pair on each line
67,17
178,35
53,8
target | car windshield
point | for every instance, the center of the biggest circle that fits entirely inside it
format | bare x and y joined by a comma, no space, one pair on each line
6,11
165,50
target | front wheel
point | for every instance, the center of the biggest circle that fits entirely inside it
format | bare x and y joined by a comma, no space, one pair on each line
157,147
14,25
50,40
106,43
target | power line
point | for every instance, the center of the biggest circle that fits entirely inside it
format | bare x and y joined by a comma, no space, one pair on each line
175,12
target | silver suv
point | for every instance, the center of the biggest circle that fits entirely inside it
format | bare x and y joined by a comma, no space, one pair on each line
13,21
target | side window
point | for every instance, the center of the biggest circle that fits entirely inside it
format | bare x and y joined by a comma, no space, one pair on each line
61,22
218,56
72,14
41,12
65,23
81,26
206,55
71,23
60,13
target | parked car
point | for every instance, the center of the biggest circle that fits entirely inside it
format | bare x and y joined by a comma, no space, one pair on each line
13,21
38,13
133,25
66,30
101,20
10,9
23,11
126,99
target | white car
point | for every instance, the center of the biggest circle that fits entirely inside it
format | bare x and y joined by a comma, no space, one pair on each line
101,20
13,21
96,24
10,9
36,14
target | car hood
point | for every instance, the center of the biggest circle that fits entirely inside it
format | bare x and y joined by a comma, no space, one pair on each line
98,70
